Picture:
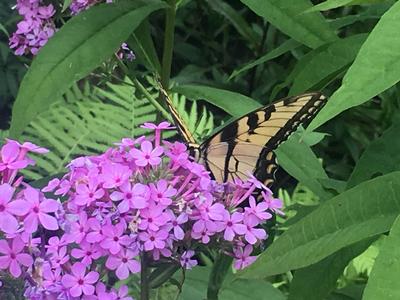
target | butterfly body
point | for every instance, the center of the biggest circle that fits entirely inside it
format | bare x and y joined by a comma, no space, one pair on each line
246,145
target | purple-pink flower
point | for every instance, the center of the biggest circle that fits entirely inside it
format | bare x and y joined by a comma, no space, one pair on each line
153,239
39,211
124,263
147,155
9,209
114,238
79,282
186,260
13,257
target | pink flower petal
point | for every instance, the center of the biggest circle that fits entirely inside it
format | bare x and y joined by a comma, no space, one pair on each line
15,269
8,223
75,291
9,151
19,207
78,269
146,147
48,221
25,259
92,277
113,262
6,193
122,272
17,245
134,266
88,289
68,280
49,205
4,262
4,247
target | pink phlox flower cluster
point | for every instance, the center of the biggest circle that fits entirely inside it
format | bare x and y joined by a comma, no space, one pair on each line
146,197
36,27
25,213
79,5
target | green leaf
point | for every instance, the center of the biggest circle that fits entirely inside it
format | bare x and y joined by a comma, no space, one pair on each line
364,211
236,19
375,69
162,274
73,53
195,288
326,63
3,29
315,283
383,281
285,47
66,4
311,30
142,44
237,104
381,157
304,166
242,289
331,4
221,267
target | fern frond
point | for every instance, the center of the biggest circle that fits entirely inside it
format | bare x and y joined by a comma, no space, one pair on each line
86,121
200,128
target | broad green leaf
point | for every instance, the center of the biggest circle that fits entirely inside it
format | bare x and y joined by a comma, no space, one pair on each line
73,53
304,166
233,103
381,157
311,29
195,288
236,19
383,281
375,69
221,267
162,274
359,213
285,47
331,4
66,4
242,289
326,63
301,64
142,44
315,282
195,285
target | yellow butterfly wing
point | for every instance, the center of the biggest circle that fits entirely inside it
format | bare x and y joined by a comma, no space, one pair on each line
247,144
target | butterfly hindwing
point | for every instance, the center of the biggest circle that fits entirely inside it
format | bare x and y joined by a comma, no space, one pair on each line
247,144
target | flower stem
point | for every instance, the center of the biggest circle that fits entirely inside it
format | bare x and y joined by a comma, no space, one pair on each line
151,99
168,43
144,280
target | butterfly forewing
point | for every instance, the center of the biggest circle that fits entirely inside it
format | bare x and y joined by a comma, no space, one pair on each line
247,144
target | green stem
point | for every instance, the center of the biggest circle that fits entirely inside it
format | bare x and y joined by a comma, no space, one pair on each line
144,276
141,88
152,100
168,43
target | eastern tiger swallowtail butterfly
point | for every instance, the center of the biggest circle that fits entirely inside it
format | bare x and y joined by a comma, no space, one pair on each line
247,144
